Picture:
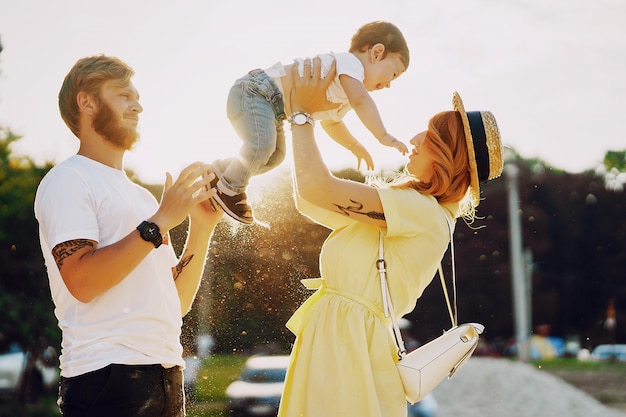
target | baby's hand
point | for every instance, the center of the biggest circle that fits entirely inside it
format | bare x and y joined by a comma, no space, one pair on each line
400,146
389,140
361,153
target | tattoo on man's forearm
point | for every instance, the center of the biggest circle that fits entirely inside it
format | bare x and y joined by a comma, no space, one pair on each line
64,250
358,209
181,265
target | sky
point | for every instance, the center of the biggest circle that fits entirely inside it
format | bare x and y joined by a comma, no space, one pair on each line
552,72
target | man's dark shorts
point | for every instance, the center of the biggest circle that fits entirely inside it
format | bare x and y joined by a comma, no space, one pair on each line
124,391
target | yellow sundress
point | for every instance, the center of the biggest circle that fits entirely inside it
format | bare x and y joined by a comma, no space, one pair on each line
343,360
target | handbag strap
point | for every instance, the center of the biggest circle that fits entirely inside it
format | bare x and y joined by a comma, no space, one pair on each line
386,295
453,316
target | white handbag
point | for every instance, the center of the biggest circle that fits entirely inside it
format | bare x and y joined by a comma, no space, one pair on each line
427,366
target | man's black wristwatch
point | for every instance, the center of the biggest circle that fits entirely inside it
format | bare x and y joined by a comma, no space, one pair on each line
150,233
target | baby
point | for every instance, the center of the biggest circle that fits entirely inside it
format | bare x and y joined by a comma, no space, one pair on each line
378,55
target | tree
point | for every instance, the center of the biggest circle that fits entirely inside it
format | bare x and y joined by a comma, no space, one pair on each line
254,272
615,159
573,225
28,312
615,170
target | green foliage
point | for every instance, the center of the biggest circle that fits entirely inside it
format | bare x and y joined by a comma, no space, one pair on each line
615,160
45,407
350,174
24,292
254,272
573,226
207,410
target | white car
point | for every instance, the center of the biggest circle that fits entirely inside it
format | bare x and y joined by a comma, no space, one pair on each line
258,389
609,352
27,377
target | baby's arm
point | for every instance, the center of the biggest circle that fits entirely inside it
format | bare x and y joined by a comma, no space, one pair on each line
389,140
364,106
338,131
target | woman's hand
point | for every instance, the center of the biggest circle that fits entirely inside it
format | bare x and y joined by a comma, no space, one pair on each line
308,93
314,182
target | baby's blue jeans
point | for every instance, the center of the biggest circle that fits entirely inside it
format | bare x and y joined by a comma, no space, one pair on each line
255,107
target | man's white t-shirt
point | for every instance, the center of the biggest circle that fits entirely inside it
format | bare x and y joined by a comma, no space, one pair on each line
138,321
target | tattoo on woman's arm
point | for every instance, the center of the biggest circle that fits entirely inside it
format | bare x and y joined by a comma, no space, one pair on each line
64,250
358,209
181,265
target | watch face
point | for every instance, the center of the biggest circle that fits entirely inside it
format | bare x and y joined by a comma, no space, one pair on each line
299,119
151,232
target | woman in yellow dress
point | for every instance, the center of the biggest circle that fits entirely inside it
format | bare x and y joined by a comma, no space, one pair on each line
343,359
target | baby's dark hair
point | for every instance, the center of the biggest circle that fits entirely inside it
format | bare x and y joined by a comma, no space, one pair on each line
385,33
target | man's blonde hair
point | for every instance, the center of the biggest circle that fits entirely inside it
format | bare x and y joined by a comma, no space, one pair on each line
88,75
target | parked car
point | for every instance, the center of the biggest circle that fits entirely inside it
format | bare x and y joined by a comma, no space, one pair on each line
426,407
25,376
258,389
609,352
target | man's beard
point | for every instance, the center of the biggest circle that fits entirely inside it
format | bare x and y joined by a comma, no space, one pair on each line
106,124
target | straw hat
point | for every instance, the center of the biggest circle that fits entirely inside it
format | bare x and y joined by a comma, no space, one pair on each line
484,146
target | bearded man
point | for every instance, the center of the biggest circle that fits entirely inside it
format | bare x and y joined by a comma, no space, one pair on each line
119,290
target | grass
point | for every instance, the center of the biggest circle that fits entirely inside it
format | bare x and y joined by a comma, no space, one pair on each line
604,380
216,373
45,407
220,370
210,397
573,364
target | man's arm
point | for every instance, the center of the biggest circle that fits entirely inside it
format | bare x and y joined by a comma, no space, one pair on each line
88,270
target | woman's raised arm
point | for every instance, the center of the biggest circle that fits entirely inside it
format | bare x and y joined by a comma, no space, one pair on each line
314,181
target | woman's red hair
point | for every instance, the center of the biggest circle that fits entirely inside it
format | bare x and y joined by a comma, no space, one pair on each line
445,140
450,181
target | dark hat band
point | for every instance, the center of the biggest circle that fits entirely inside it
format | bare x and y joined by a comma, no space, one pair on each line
481,151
